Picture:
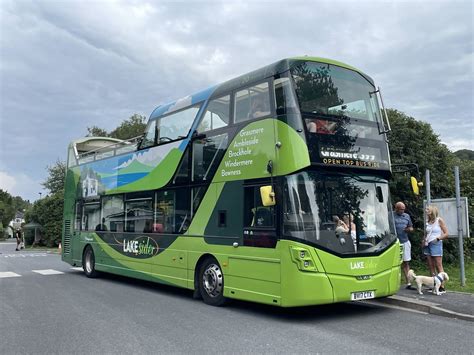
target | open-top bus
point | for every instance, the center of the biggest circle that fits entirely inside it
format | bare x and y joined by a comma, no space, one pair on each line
271,187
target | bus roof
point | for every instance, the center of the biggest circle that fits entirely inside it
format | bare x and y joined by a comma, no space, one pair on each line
253,76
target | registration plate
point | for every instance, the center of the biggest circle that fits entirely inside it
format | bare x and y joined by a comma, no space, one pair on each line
362,295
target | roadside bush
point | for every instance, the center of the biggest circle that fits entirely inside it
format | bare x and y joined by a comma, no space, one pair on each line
48,212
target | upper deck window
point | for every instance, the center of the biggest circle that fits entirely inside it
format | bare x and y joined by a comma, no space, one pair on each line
217,115
253,102
285,101
169,128
329,90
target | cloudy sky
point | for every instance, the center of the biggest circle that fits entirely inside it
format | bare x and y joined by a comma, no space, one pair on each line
67,65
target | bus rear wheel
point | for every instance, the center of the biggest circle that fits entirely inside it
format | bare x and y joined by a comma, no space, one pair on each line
88,263
211,283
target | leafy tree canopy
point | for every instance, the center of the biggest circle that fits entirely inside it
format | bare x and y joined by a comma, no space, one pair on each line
48,212
9,205
413,141
132,127
95,131
55,181
465,154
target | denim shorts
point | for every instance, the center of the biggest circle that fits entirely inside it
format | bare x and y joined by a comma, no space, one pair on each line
435,248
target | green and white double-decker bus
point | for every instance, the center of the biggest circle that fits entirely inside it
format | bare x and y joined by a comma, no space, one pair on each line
271,187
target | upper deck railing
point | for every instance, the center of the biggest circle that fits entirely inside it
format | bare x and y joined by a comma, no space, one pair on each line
106,151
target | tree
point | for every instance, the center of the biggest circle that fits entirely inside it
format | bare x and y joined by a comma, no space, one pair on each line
9,205
48,212
7,212
413,141
55,181
465,154
132,127
95,131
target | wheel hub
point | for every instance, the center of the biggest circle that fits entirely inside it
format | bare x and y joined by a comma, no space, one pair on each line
212,280
88,262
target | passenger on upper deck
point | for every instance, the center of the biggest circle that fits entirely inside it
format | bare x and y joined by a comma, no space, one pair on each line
321,126
257,109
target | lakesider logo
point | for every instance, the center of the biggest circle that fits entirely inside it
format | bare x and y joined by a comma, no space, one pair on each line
140,246
362,265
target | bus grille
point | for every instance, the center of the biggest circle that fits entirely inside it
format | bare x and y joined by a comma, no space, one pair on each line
67,237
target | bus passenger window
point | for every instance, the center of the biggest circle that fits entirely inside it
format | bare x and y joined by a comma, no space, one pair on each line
172,211
216,116
113,213
138,214
255,214
176,125
252,103
321,126
149,139
207,154
285,101
90,216
259,221
78,216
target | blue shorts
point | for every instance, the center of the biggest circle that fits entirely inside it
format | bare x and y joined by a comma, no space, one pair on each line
435,248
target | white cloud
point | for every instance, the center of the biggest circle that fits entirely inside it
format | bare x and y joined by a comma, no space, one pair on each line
66,66
458,144
20,185
7,182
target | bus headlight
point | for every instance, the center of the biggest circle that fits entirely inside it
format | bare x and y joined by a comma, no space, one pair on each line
303,259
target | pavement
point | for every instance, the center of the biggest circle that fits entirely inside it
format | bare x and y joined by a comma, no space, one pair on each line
451,304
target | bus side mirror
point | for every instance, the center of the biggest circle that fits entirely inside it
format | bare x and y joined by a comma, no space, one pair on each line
415,185
267,195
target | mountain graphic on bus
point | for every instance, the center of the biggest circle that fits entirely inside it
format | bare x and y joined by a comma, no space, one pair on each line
126,169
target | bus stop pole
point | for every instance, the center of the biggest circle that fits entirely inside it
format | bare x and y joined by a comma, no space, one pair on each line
428,197
428,187
460,236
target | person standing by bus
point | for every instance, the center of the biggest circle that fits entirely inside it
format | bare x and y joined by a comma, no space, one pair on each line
432,243
404,225
18,239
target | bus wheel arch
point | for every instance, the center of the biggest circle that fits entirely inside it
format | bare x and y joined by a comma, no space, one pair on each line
209,281
88,262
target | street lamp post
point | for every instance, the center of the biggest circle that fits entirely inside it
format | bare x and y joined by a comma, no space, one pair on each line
40,194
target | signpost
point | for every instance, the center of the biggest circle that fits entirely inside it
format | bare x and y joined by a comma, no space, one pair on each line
455,214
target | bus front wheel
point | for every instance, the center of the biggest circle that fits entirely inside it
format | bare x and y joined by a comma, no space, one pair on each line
211,283
88,262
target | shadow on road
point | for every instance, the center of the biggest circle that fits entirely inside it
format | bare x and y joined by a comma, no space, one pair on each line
297,314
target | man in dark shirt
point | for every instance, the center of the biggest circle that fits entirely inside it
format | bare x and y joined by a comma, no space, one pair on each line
404,226
18,239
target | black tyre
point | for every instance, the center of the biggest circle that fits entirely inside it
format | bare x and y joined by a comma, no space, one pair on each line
88,263
211,283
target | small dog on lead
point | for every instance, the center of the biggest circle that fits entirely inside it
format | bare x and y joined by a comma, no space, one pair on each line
434,281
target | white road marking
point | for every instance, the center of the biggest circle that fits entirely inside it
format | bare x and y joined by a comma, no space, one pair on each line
77,268
23,255
48,272
8,274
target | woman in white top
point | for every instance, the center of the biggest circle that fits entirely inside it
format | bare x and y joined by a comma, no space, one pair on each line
432,243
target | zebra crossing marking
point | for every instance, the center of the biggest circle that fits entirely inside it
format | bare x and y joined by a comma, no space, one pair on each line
45,272
5,274
48,272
